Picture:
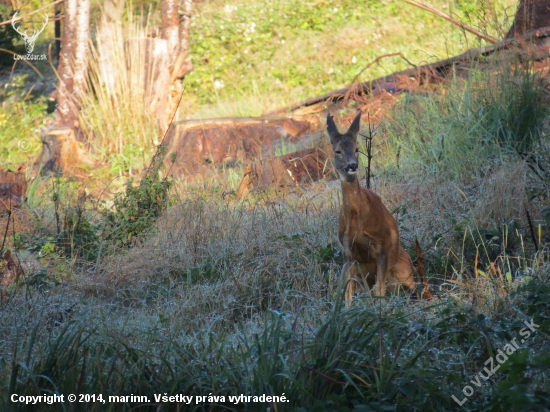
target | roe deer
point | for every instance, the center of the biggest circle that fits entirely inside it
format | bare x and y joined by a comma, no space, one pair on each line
366,229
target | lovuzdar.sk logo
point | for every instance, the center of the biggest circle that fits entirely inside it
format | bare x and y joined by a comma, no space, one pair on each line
29,40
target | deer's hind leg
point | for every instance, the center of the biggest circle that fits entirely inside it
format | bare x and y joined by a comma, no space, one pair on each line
359,277
402,273
381,272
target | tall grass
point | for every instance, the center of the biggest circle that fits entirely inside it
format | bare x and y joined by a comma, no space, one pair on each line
117,110
478,124
382,354
230,298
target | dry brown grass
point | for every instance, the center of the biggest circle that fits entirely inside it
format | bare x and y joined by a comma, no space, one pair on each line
219,258
501,196
209,277
434,204
222,258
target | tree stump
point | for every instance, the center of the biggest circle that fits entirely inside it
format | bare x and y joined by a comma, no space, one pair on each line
61,152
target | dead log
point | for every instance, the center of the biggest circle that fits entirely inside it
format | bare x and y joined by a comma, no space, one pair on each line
298,168
202,144
13,187
535,45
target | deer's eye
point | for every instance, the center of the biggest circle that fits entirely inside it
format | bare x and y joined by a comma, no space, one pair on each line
338,152
356,150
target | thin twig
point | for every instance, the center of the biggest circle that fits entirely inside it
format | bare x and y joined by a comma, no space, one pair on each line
23,60
428,7
21,270
422,272
368,144
377,60
6,231
533,237
31,13
163,137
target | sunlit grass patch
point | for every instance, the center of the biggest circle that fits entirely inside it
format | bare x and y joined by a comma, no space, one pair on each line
273,50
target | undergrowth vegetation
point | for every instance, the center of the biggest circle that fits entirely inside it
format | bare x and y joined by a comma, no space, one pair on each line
249,56
176,287
252,57
203,295
462,135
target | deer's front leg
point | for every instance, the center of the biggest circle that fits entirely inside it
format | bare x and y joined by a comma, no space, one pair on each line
349,273
381,270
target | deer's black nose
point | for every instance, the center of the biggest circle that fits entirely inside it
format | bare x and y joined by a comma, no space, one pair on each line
352,167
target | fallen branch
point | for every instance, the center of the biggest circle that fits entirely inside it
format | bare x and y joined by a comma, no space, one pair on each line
428,7
439,68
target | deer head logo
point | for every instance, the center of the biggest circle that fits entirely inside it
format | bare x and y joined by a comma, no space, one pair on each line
29,40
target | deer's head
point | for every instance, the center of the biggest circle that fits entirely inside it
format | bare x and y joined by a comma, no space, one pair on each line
29,40
346,152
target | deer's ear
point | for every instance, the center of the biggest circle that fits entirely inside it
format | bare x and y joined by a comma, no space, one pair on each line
332,130
355,125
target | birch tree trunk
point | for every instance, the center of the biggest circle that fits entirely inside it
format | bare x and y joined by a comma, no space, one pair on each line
60,149
64,69
176,23
82,55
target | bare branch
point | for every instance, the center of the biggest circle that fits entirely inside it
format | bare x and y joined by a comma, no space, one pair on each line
24,61
36,11
377,60
428,7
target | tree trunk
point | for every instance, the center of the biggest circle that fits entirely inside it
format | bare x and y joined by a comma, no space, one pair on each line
65,87
60,147
73,65
530,15
175,30
57,29
82,54
169,28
